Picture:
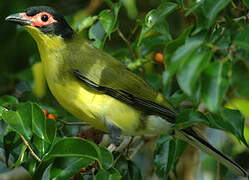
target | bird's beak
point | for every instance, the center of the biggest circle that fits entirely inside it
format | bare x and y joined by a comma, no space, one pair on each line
19,19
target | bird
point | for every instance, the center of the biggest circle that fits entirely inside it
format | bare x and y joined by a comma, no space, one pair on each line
100,90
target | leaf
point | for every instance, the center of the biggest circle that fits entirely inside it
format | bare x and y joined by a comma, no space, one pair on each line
172,45
164,156
74,147
246,3
107,20
106,158
65,168
241,40
230,121
39,122
22,156
10,141
128,169
154,20
189,117
240,75
2,110
111,174
189,72
20,120
206,12
85,23
7,100
182,54
215,84
46,174
97,33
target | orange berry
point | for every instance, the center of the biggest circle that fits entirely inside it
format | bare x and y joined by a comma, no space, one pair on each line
51,116
45,112
159,58
83,170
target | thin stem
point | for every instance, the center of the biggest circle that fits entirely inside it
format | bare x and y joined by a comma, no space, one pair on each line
30,149
127,42
72,123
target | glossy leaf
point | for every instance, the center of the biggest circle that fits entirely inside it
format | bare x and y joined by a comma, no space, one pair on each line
229,120
39,122
20,120
154,20
65,168
214,84
7,100
108,21
46,174
74,147
189,72
85,22
106,158
22,156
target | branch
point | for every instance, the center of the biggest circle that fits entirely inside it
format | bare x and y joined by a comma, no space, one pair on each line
30,149
127,43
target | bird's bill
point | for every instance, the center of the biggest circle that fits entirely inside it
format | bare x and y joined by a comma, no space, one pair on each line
19,18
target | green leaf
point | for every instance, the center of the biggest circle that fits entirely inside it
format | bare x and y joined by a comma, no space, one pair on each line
2,110
46,174
65,168
107,20
241,40
189,72
246,3
182,54
206,12
171,46
229,120
154,20
128,169
97,33
240,75
106,158
20,120
7,100
10,141
111,174
215,84
85,23
39,122
189,117
74,147
22,156
164,156
130,6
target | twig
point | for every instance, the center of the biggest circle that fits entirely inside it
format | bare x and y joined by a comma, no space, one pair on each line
30,149
72,123
127,43
136,150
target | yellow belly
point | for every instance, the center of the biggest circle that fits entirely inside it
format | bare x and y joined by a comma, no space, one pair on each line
95,108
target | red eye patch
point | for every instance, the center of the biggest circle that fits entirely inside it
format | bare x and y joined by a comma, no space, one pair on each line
36,20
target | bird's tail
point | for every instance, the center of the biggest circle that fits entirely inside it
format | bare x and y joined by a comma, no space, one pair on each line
196,140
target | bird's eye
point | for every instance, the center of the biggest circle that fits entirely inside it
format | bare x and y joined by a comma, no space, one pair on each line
44,18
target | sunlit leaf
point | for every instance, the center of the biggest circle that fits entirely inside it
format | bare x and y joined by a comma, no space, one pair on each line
214,84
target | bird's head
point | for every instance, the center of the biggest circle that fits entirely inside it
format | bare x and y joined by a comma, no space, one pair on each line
42,20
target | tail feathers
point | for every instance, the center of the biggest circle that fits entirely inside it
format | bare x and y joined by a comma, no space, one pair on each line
197,141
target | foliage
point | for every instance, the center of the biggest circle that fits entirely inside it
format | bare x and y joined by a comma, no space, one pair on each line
206,63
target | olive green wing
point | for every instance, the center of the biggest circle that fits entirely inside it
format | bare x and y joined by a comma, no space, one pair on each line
103,70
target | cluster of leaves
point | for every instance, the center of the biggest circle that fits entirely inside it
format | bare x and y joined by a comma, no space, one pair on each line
205,62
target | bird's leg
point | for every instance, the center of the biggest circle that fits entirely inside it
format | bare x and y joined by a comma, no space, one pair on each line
116,136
